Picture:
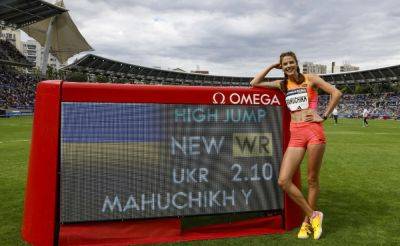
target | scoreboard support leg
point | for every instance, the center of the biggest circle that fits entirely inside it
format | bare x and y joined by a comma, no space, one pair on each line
40,214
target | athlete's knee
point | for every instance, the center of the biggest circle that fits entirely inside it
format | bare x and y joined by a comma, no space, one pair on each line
313,181
284,183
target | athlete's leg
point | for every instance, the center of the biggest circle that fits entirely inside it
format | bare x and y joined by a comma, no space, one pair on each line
291,161
365,123
315,155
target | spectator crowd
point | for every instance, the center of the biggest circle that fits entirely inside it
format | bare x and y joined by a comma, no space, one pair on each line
17,90
382,106
8,52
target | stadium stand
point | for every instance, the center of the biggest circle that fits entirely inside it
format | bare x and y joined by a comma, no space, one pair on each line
93,64
9,54
381,106
17,90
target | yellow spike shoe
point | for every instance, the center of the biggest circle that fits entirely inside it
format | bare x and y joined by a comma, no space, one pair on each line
316,224
305,231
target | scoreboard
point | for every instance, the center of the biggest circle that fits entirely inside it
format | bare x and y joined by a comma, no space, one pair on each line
122,161
107,155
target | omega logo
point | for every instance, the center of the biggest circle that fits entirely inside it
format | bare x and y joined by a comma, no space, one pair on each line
218,98
237,98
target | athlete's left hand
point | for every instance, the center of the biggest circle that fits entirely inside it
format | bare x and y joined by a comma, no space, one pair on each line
314,117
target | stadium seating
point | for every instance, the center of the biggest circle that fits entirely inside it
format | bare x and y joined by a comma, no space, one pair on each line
9,53
17,90
382,106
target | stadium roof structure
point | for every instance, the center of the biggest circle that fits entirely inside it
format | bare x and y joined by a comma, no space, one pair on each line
99,65
21,13
370,76
66,39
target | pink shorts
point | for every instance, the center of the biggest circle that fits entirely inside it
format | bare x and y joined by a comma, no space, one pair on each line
305,133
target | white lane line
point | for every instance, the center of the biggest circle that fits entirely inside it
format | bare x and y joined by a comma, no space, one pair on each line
350,133
18,140
359,133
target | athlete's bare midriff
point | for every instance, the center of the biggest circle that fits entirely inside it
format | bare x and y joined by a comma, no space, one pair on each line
300,115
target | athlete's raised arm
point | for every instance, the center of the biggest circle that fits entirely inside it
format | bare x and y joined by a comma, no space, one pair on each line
259,79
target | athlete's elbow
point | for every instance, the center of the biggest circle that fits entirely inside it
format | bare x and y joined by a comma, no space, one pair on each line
337,93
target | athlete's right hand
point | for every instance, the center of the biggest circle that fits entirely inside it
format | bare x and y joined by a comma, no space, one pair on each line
313,117
277,66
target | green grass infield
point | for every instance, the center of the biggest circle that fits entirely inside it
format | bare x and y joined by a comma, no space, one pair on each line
359,185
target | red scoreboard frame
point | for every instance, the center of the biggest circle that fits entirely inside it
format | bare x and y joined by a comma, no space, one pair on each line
41,224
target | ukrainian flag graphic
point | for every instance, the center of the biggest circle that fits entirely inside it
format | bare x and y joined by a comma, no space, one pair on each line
103,145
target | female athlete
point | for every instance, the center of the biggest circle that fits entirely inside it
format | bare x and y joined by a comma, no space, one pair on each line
306,133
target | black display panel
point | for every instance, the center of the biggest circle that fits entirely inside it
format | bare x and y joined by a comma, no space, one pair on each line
132,160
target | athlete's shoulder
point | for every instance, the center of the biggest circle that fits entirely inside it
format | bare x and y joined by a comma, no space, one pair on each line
312,77
315,80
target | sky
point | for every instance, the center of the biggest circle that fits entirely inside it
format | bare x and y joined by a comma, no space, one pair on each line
239,38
